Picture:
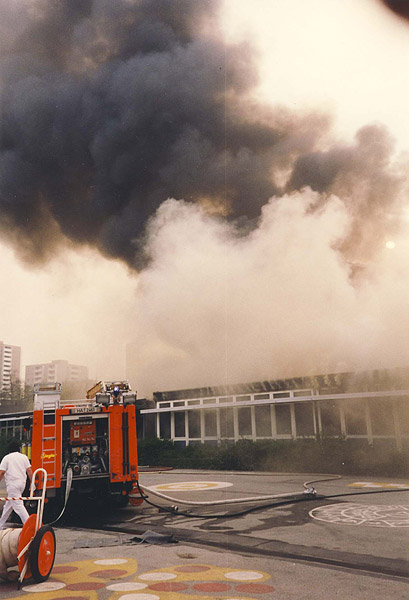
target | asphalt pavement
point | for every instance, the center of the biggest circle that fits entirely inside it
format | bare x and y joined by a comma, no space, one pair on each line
339,547
353,521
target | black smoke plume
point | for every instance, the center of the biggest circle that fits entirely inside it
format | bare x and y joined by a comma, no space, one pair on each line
400,7
109,107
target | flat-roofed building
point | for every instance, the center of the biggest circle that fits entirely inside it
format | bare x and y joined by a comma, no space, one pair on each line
60,371
369,405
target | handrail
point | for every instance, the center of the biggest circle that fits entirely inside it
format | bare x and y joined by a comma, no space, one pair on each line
40,508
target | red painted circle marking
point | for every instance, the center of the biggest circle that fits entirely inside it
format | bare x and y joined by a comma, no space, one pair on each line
62,569
168,586
192,569
85,586
212,587
109,573
254,588
72,598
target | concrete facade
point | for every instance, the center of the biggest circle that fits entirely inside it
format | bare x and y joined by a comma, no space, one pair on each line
56,371
10,358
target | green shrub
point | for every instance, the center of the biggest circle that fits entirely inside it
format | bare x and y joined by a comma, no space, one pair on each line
321,455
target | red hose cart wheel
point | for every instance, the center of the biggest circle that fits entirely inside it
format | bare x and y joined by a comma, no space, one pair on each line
42,553
27,534
36,542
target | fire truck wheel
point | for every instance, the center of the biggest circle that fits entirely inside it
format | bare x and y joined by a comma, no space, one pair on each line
42,553
121,501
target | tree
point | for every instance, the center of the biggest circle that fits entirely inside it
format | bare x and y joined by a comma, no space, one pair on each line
17,398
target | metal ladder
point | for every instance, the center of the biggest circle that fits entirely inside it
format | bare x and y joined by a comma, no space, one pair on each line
48,444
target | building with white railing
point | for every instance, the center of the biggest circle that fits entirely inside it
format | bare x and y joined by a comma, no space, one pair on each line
371,405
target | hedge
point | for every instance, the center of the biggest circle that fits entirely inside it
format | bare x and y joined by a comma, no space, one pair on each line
338,456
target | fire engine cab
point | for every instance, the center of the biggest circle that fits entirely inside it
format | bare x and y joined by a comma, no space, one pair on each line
88,445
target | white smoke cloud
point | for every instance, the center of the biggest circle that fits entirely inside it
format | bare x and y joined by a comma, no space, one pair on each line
214,307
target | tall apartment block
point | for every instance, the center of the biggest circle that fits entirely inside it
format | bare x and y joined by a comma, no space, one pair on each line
10,357
56,371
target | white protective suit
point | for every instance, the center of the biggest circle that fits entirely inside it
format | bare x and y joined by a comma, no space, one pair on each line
15,466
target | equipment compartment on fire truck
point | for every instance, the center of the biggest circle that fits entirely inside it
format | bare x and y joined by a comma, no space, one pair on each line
93,439
85,445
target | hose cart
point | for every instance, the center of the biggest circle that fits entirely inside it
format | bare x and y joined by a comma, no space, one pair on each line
33,547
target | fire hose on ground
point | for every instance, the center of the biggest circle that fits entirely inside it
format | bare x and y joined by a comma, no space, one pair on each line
288,497
309,493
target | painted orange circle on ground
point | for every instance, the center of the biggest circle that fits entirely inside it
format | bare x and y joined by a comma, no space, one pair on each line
254,588
108,573
63,569
192,569
168,586
85,586
190,486
212,587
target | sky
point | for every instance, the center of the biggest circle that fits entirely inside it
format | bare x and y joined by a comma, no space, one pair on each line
340,56
313,280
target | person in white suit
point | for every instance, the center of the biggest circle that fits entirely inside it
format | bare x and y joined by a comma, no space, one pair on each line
14,467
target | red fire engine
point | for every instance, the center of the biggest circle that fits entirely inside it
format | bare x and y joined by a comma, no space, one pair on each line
88,446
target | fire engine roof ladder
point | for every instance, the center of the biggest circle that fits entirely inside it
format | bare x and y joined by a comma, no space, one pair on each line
48,444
